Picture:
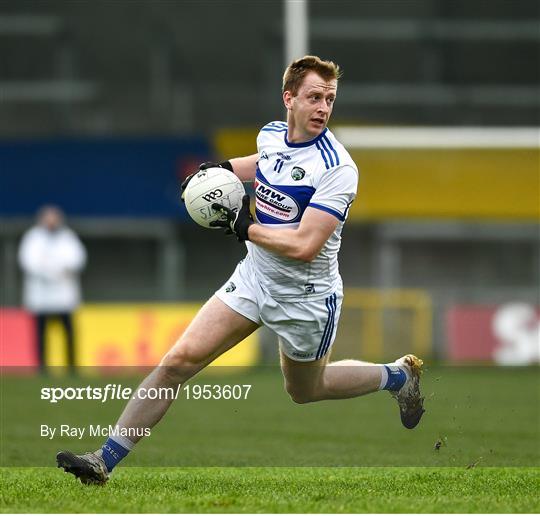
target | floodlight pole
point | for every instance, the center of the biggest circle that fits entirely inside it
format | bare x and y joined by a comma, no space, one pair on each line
295,29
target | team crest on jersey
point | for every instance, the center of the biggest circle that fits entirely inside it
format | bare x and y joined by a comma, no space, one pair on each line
275,203
298,173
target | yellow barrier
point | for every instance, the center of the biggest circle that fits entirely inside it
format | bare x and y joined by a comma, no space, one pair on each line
369,326
497,184
135,335
232,143
449,183
375,324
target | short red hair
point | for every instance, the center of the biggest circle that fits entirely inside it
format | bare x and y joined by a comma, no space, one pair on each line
297,70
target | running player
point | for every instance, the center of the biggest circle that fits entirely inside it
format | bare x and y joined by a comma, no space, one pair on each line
305,182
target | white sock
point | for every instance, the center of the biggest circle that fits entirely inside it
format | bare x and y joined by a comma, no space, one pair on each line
384,377
124,442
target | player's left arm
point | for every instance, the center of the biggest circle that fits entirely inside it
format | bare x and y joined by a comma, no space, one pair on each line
303,243
245,167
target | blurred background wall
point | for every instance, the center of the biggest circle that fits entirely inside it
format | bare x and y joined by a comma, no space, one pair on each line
107,105
110,67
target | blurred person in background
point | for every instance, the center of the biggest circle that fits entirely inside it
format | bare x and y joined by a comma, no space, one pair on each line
51,257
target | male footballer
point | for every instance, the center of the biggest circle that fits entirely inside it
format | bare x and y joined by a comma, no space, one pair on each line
305,182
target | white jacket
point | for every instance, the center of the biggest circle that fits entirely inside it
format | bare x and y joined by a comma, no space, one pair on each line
51,262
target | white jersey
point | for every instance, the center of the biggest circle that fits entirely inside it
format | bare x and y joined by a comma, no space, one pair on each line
290,177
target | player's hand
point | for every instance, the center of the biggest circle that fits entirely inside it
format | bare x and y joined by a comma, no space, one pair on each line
210,164
184,184
237,223
203,166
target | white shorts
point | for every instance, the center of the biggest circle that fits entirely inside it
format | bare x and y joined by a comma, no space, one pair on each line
306,329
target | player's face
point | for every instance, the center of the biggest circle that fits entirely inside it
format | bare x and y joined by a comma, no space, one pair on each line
51,219
310,110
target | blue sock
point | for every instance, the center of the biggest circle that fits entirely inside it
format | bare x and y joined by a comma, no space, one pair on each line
396,378
112,453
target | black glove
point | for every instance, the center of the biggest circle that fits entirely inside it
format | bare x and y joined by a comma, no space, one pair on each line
237,223
203,166
210,164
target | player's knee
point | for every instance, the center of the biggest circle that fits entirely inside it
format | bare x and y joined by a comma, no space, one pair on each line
301,399
299,395
182,356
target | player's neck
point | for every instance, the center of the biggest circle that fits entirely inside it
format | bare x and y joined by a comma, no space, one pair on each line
297,136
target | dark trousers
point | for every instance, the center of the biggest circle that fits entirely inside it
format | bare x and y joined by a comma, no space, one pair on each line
67,323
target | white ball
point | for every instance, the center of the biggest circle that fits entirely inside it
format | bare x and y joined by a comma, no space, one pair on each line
209,186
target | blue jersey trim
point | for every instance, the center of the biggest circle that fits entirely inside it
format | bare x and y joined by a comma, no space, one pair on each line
323,145
335,213
323,155
276,124
327,140
275,127
305,144
273,130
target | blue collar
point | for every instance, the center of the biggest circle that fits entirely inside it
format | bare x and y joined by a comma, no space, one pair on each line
304,144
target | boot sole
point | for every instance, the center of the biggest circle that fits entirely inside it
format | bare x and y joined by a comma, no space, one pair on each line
411,419
77,467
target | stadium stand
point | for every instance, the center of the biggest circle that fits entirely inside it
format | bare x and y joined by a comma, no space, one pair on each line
444,63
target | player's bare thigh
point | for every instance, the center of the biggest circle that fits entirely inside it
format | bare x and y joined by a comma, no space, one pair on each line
215,329
303,379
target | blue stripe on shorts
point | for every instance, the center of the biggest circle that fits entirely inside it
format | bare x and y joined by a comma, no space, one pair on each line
329,327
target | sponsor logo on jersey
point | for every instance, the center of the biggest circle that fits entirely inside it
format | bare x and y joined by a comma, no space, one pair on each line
231,287
286,157
275,203
298,173
263,155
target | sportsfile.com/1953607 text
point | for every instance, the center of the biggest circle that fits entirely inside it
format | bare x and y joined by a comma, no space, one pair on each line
113,391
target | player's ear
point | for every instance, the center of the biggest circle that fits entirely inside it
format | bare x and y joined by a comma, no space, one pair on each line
287,99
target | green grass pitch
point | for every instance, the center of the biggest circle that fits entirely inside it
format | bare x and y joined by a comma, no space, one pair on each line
266,454
275,490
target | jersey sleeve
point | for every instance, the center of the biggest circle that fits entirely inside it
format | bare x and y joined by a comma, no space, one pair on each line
269,130
336,192
260,141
